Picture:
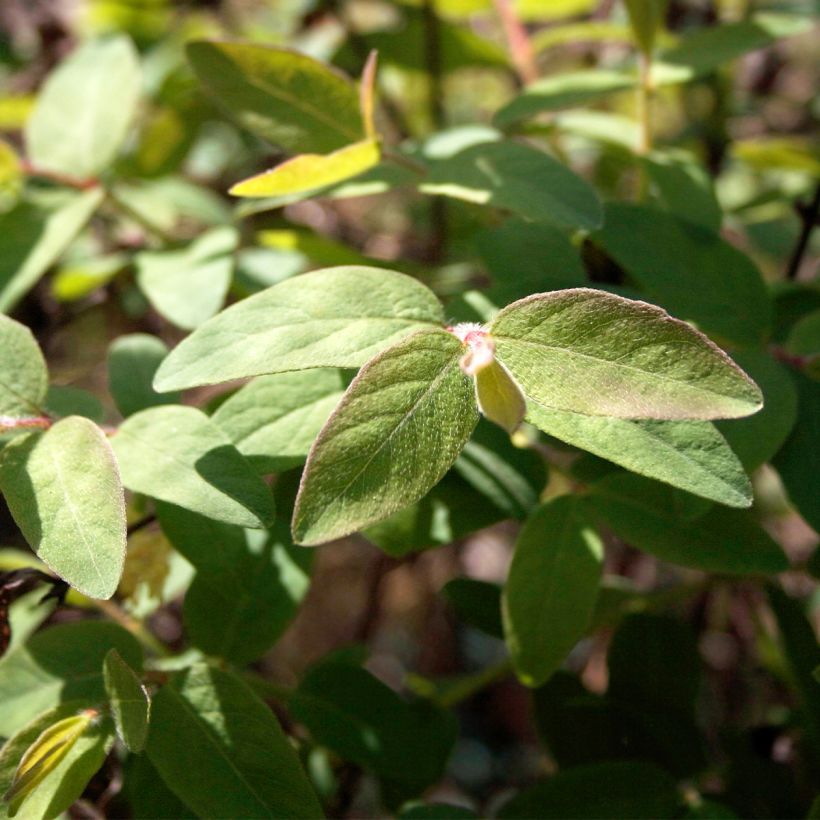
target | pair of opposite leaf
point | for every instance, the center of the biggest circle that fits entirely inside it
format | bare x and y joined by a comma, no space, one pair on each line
412,407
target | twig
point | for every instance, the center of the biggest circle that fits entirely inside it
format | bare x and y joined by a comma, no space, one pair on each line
521,51
467,687
135,627
809,216
141,220
59,178
8,423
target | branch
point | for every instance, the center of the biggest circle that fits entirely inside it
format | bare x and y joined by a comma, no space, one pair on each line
808,214
521,51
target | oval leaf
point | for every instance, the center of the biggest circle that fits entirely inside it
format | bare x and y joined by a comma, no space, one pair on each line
64,491
129,699
337,317
499,398
177,454
23,371
602,355
400,426
550,594
309,172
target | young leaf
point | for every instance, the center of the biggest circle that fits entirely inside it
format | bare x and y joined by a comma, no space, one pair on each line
691,455
44,755
689,270
273,420
222,751
177,454
550,594
602,355
318,319
646,19
132,362
129,699
400,426
23,371
518,178
367,94
499,398
309,172
727,541
37,239
188,287
64,491
85,108
288,98
60,663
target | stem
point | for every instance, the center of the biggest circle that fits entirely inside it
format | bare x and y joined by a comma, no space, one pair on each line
135,627
24,423
521,51
467,687
645,102
137,217
55,176
405,162
808,215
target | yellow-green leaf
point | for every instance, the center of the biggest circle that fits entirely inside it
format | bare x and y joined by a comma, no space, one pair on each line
499,398
308,172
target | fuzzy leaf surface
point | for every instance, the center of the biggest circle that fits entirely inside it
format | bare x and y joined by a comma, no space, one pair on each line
23,371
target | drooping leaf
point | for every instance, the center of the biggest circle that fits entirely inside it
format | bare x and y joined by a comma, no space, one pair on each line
643,514
177,454
797,459
757,438
78,761
550,593
133,360
188,287
310,172
353,713
274,419
222,751
23,371
34,238
690,271
595,353
85,108
61,663
518,178
288,98
247,588
607,791
400,426
691,455
64,491
319,319
566,90
129,699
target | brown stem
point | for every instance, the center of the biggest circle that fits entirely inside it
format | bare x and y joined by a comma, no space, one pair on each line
809,216
8,423
521,51
56,176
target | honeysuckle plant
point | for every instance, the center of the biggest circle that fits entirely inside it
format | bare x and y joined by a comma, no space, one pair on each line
470,301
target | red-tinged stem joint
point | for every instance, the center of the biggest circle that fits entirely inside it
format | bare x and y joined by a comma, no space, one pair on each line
8,423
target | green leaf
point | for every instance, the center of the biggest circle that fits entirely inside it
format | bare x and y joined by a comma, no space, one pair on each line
188,287
85,108
524,258
177,454
595,353
691,455
147,794
274,419
64,492
23,371
499,398
353,713
247,588
610,790
129,699
726,541
43,756
64,782
477,603
435,811
400,426
518,178
550,593
317,319
690,271
64,400
34,239
569,89
646,19
309,172
757,438
222,751
60,663
132,362
288,98
804,337
797,459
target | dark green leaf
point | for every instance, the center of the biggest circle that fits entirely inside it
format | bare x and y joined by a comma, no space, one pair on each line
477,603
129,699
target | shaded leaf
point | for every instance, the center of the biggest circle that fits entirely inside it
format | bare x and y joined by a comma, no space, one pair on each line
133,360
64,491
317,319
396,432
129,699
477,603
